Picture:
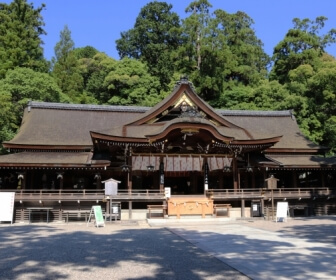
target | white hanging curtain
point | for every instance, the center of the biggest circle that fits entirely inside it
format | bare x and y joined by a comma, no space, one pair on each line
182,163
216,163
141,162
171,163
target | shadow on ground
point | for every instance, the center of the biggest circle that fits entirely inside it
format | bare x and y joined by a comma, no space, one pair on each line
321,229
294,252
62,252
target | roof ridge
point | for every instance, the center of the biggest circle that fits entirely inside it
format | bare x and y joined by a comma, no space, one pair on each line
254,113
86,107
143,109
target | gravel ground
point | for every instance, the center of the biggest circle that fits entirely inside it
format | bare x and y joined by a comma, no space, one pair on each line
116,251
134,250
321,229
298,249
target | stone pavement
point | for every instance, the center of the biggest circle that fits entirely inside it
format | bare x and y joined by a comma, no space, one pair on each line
301,248
116,251
216,249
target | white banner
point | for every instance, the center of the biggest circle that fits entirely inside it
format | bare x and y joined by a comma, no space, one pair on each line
7,206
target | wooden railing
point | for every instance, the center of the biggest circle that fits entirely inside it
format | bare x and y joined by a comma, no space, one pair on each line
124,194
276,193
64,194
84,194
149,194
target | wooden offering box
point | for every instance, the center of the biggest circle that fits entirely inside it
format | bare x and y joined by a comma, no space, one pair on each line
190,206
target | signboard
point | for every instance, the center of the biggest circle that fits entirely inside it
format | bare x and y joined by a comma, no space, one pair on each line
7,206
98,214
272,182
282,211
167,192
111,187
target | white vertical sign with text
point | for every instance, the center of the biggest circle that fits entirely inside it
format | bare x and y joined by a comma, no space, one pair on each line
7,206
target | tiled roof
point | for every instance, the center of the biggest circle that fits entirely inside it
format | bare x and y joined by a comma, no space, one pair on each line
56,124
53,124
59,159
86,107
284,113
303,161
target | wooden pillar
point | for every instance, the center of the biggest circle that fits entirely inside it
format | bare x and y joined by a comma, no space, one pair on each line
243,208
221,181
60,214
21,181
262,207
129,175
323,179
32,176
98,183
294,179
253,180
61,183
206,176
161,174
60,178
24,182
235,174
108,206
129,181
265,177
22,210
130,210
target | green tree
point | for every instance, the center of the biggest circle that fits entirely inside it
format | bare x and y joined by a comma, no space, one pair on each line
131,84
8,124
85,62
195,29
301,45
65,70
316,90
246,50
200,56
18,87
221,53
20,37
153,39
86,52
94,71
330,133
264,96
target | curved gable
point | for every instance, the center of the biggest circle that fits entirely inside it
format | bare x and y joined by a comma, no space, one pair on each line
182,97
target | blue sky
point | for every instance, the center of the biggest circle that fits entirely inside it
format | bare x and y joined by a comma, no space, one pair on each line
99,23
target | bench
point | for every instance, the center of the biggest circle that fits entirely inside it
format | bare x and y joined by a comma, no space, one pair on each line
109,216
220,208
38,209
156,211
76,214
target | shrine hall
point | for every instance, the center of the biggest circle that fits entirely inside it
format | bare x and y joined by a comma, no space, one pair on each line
180,158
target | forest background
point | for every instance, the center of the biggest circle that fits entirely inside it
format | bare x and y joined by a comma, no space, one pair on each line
218,51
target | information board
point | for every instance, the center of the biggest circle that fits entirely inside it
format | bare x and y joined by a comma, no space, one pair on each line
98,214
167,192
111,186
282,211
7,206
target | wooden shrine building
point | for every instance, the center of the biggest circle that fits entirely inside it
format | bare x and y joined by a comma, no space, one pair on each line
181,156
